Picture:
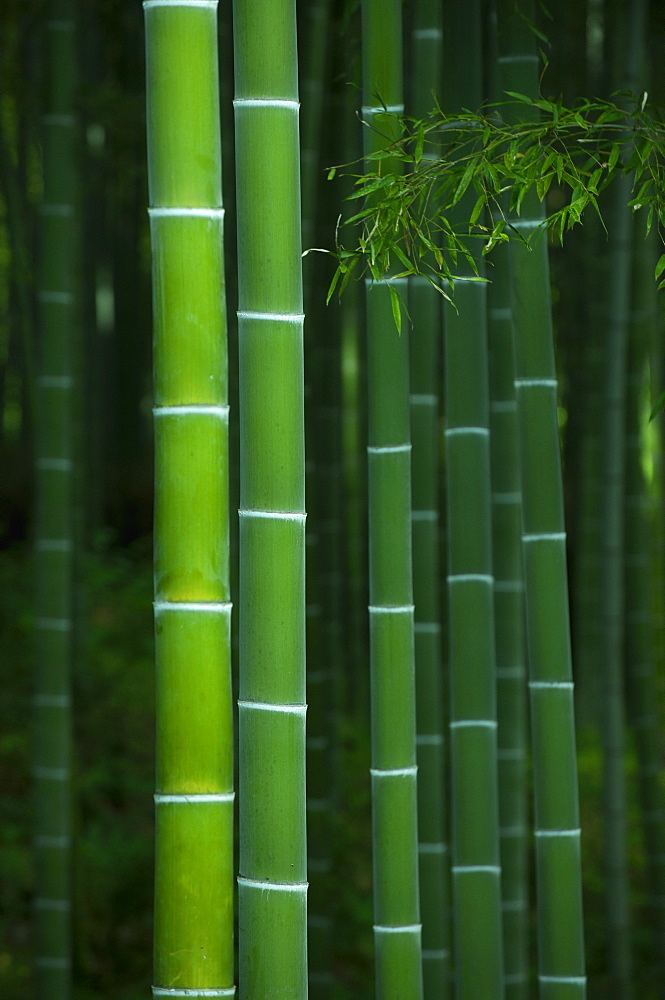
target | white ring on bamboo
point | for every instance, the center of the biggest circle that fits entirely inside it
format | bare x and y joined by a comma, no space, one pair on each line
423,399
428,33
385,281
280,515
54,624
265,706
552,684
266,102
391,609
471,578
462,869
390,108
277,886
193,797
438,848
394,772
212,607
581,980
558,833
56,298
384,449
429,739
271,317
473,723
545,536
55,464
552,383
402,929
178,212
526,223
520,57
51,773
55,381
179,3
451,431
192,409
160,991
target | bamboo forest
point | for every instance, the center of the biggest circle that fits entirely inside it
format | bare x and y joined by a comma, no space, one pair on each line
332,533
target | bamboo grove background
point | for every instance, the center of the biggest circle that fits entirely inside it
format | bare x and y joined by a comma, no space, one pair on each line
77,730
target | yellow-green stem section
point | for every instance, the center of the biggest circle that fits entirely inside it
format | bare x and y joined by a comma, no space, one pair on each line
193,930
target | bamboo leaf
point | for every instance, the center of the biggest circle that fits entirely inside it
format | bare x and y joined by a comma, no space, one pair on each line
660,266
397,310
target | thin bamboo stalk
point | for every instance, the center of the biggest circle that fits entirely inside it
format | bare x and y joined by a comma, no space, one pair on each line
510,652
512,752
476,870
425,308
557,832
397,929
193,935
612,600
272,886
54,527
641,678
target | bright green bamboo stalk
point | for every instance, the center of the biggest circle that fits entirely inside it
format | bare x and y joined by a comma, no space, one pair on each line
476,871
54,528
193,934
425,308
397,929
557,831
272,886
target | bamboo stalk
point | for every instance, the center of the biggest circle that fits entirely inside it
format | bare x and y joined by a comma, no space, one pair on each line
557,829
512,745
425,308
476,869
272,886
54,527
509,614
397,929
193,935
